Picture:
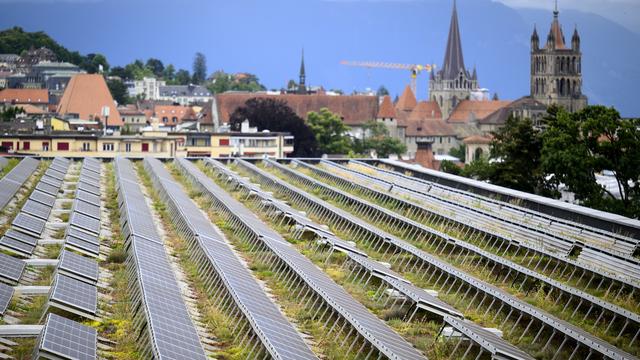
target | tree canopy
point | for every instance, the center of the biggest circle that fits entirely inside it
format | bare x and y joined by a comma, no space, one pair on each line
221,82
276,115
199,68
377,138
331,133
119,91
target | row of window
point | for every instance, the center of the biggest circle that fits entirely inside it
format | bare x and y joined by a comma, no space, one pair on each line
64,146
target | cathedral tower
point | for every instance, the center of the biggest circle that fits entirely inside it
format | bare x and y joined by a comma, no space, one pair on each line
556,68
453,83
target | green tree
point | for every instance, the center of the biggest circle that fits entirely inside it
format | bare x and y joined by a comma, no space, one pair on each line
331,133
450,167
138,70
460,152
10,113
382,91
92,63
292,85
16,40
479,169
199,68
517,147
119,91
577,146
377,138
182,77
121,72
276,115
169,73
156,66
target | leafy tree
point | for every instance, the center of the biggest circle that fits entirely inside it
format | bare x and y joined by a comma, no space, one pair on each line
182,77
124,74
276,115
138,70
382,91
156,66
199,68
479,169
331,133
92,63
460,152
16,40
169,72
222,82
450,167
377,138
118,91
10,113
576,146
516,148
292,84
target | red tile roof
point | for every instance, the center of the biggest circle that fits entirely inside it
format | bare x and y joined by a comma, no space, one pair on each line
407,100
180,113
426,120
354,110
25,96
32,110
86,95
386,109
468,110
477,139
426,110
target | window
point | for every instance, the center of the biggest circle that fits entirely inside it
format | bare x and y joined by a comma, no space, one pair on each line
440,140
224,142
127,147
7,145
63,146
165,119
86,146
26,145
45,146
107,147
174,119
145,147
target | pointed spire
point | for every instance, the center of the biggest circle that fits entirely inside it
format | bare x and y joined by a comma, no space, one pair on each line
535,39
575,39
302,70
555,11
474,76
453,59
556,31
407,100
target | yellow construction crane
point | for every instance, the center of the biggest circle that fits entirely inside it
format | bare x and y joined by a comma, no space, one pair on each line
415,69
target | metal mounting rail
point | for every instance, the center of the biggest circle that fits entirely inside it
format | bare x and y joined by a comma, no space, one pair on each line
303,277
595,274
258,320
499,299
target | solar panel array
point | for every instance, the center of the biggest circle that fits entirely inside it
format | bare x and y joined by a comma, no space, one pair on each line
74,295
375,333
273,330
6,293
500,298
11,182
78,266
161,316
66,339
11,269
29,224
83,232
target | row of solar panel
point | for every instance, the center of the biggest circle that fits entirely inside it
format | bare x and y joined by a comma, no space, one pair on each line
422,231
580,336
276,333
11,182
161,316
418,296
29,223
372,330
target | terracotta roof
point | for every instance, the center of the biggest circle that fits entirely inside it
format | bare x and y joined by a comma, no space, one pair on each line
426,120
354,109
85,95
476,139
386,109
501,115
556,30
468,110
32,110
25,96
180,113
407,100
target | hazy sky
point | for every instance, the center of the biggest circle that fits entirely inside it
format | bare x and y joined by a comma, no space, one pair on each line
625,12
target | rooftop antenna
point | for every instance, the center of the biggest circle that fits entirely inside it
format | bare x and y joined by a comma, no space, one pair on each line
555,11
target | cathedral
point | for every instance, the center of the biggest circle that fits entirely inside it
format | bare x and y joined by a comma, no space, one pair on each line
556,69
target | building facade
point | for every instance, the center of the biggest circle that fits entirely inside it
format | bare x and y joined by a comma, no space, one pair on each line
453,83
556,69
185,95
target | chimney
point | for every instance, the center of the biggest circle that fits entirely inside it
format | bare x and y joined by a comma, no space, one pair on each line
424,155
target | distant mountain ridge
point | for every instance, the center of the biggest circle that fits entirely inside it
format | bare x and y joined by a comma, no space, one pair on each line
265,38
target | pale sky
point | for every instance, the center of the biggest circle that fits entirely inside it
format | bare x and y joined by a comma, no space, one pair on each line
624,12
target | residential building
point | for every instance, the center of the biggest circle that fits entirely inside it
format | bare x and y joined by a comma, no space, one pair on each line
8,62
148,88
185,94
556,69
453,83
38,98
53,76
425,125
34,56
133,118
523,108
173,115
85,98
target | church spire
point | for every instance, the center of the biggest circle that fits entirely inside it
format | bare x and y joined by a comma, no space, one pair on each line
453,59
302,86
555,33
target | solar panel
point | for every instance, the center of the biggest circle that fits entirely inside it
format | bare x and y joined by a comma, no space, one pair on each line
82,235
54,174
92,210
58,167
87,197
68,339
30,224
89,178
74,293
43,198
82,246
36,209
6,293
51,181
89,188
16,246
47,189
3,162
20,236
11,268
11,182
85,222
79,265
